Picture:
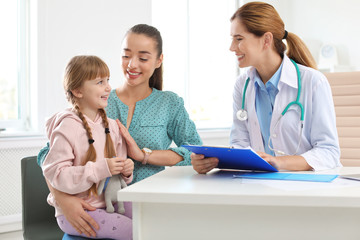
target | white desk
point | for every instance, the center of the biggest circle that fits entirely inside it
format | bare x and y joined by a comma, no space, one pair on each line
178,203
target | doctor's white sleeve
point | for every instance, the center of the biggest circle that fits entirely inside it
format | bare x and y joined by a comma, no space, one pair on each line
325,153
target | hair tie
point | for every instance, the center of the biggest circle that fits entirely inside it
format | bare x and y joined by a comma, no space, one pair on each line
91,141
107,130
285,35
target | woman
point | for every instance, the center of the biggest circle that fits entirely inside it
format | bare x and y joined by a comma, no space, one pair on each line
297,136
150,119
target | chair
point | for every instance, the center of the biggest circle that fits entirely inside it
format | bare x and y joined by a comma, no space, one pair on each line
38,216
345,88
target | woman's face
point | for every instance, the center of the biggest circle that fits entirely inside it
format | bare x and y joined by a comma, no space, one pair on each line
139,59
246,46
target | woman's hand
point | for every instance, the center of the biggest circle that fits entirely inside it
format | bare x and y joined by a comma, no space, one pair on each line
128,167
132,148
273,161
203,165
288,162
73,210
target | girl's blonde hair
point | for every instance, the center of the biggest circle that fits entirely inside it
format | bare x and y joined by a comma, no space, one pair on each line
260,17
79,70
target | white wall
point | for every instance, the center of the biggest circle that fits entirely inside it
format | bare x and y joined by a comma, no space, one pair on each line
66,28
322,21
62,29
69,27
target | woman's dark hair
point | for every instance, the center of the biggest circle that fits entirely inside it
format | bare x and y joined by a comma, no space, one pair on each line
156,80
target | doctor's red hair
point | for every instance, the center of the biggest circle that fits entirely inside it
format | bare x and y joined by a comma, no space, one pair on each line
260,17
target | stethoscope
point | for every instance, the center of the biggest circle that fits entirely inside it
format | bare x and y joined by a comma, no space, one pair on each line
242,114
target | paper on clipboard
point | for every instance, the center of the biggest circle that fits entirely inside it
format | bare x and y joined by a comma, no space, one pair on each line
289,176
233,158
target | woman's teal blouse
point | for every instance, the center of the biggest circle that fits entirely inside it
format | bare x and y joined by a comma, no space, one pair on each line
158,120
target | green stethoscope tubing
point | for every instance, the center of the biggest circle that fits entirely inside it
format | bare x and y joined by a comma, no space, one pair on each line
296,102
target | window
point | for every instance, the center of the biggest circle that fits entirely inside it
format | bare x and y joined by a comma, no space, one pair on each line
13,62
198,65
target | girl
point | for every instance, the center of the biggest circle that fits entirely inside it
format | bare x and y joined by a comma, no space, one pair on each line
283,106
83,146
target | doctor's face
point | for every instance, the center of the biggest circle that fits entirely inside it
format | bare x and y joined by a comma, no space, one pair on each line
246,46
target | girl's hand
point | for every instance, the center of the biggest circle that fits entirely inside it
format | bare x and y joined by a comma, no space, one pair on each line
116,165
132,148
203,165
273,161
128,167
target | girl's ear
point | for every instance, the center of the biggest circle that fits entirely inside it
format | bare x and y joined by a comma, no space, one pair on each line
77,93
159,61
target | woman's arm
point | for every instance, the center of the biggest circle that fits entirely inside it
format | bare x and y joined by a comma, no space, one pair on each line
73,209
157,157
290,163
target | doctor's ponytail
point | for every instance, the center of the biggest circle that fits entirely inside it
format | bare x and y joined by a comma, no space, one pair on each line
259,18
298,51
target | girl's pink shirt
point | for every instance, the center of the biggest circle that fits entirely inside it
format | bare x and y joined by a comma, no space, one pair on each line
68,146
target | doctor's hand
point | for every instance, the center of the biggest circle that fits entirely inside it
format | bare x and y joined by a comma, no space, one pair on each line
203,165
133,150
273,161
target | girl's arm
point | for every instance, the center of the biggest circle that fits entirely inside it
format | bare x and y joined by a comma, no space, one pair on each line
60,167
73,207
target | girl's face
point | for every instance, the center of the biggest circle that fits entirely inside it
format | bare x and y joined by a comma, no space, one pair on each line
246,46
139,59
93,95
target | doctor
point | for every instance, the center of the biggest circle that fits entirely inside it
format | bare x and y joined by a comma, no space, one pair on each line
283,106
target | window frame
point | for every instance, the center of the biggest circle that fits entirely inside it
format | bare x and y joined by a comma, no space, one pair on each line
183,89
21,124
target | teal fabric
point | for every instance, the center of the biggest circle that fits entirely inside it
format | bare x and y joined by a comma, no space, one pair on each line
42,154
158,120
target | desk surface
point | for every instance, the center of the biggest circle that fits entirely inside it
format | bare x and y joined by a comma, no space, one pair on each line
184,185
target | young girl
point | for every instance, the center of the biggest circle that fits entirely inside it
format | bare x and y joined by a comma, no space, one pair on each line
86,147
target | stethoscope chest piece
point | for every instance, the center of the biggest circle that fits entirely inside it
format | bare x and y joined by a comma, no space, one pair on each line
242,115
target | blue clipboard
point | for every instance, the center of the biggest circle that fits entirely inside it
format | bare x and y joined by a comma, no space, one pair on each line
233,158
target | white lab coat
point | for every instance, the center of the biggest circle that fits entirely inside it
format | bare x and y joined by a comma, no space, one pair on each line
319,141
